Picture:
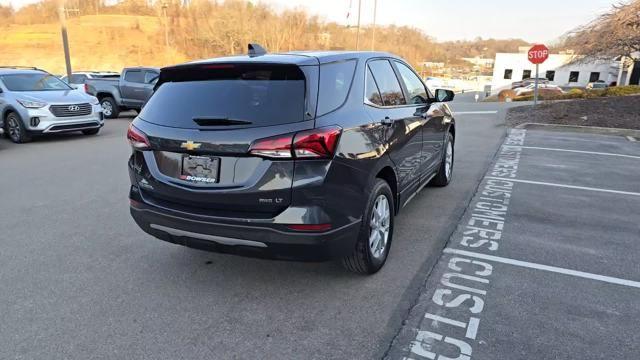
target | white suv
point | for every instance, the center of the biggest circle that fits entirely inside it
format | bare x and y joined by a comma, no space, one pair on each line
33,102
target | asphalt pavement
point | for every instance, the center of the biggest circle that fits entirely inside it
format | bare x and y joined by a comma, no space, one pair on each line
81,281
543,265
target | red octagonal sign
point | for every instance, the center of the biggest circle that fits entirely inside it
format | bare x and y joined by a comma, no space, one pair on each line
538,54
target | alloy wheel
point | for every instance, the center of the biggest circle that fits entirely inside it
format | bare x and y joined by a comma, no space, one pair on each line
448,160
107,109
379,227
14,128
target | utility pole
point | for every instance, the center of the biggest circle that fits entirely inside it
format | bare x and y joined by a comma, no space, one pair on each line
358,26
166,25
373,36
62,16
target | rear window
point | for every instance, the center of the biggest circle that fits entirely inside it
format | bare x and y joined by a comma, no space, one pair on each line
217,95
335,82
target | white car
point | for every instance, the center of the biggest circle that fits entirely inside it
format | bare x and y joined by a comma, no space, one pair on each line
79,78
531,87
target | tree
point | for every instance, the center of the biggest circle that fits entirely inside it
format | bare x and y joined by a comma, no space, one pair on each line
612,34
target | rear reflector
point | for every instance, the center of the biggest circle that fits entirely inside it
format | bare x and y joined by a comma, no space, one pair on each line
137,138
310,144
310,227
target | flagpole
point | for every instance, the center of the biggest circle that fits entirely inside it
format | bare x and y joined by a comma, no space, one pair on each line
358,26
373,36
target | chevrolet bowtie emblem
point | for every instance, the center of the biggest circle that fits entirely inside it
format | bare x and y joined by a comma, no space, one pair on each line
190,145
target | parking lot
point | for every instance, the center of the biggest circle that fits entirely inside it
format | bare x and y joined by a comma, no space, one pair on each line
539,237
544,260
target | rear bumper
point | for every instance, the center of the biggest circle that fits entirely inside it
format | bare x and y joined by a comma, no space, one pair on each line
239,238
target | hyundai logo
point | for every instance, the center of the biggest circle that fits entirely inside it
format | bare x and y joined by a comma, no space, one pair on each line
74,108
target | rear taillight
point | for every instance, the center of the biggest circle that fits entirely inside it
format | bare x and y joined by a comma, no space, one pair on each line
137,138
86,88
310,144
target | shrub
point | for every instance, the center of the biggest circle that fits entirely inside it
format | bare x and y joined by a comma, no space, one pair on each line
622,90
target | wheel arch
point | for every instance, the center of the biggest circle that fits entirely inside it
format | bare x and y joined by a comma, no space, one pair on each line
388,174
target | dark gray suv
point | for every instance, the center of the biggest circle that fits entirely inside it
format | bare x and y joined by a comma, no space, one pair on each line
304,156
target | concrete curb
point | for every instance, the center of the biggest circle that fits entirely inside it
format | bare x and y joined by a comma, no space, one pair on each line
583,129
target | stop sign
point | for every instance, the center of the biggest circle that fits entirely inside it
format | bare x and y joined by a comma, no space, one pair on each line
538,54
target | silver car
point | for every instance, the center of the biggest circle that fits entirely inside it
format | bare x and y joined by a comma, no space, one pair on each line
34,102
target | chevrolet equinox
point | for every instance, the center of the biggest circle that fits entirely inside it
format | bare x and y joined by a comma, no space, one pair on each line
303,155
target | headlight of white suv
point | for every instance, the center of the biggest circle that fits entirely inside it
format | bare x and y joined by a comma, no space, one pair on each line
94,101
29,104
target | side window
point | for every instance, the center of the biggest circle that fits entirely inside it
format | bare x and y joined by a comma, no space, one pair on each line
149,76
335,82
387,82
371,90
526,74
134,76
417,91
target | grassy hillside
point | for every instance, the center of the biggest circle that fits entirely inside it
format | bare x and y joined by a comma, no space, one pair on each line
102,42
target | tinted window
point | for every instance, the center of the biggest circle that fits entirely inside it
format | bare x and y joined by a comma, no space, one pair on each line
33,82
508,73
261,95
134,76
371,90
387,83
417,91
335,81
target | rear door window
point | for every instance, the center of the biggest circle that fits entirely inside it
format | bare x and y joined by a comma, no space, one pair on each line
335,82
387,82
223,95
371,90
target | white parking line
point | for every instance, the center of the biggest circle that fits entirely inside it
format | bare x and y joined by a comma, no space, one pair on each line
553,269
565,186
474,112
582,152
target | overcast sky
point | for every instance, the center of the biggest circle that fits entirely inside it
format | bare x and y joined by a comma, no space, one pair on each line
534,21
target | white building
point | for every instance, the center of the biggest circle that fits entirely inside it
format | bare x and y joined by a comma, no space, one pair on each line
511,67
478,61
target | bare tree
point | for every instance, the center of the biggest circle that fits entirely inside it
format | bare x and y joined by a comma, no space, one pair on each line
612,34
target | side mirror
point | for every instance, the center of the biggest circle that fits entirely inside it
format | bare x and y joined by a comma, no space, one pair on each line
443,95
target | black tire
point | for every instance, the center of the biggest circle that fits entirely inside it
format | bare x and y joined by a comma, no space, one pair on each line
15,129
109,103
443,178
91,131
363,260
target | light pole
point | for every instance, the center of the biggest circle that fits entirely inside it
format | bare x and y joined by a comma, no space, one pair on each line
65,39
373,36
166,25
358,26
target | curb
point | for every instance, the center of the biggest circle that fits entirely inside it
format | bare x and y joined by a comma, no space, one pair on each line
579,128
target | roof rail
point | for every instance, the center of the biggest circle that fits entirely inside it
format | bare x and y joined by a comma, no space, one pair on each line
18,67
256,50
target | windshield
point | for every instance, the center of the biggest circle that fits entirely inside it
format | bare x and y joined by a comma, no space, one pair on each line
232,94
34,82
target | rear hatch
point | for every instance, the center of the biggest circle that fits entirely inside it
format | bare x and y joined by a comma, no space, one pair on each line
201,122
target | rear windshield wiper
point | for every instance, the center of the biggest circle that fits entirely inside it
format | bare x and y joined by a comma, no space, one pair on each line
219,121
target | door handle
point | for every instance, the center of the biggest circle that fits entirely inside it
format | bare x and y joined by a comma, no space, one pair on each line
386,121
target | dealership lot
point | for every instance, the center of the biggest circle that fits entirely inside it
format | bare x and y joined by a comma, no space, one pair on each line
81,280
560,279
544,260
